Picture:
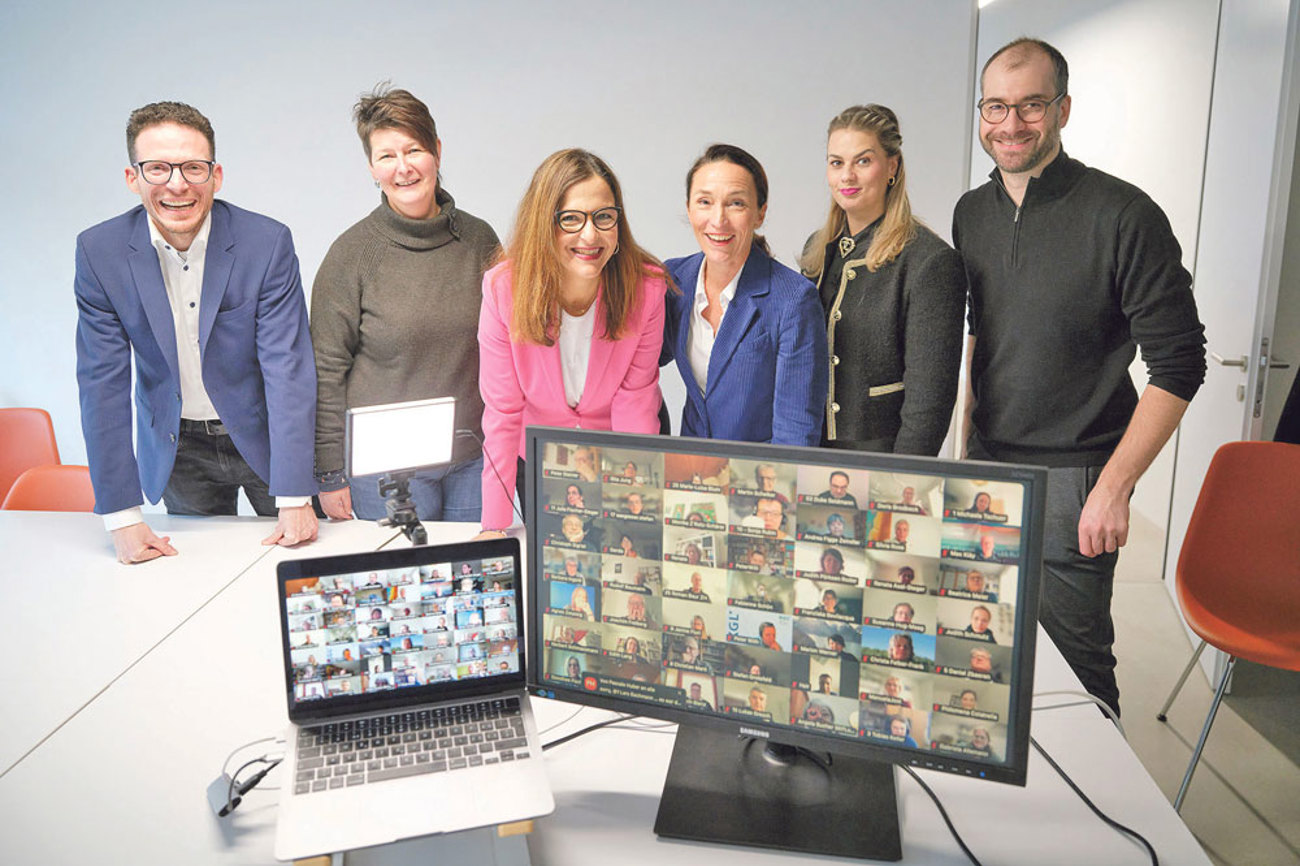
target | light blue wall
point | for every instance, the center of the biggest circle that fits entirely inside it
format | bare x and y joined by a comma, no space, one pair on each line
646,85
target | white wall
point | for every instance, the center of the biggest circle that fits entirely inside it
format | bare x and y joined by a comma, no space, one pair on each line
1140,76
1286,324
645,85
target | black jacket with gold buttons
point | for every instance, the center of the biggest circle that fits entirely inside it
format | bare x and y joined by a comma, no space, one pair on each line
895,346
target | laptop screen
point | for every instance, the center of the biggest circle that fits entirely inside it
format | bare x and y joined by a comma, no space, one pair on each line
372,628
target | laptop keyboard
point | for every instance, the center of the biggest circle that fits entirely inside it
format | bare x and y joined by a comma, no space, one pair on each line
434,740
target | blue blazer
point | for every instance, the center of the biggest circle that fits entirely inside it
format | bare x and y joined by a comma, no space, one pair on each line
768,371
257,361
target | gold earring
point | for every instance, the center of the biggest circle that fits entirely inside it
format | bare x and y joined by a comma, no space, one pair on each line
892,178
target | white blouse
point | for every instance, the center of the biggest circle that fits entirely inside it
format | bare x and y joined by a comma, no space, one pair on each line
575,351
699,344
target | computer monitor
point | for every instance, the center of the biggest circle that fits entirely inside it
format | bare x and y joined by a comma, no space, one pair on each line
870,608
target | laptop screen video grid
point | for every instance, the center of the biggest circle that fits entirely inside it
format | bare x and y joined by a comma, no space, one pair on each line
372,631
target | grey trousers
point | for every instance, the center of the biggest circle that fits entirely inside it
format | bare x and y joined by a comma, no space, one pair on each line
1074,601
1074,605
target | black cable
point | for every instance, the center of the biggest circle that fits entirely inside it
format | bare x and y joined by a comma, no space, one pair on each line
1155,861
943,813
235,796
510,494
587,730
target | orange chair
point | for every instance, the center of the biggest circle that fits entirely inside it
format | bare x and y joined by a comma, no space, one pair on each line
52,488
1238,577
26,440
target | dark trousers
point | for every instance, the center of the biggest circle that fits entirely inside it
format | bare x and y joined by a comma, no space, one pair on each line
1074,606
208,473
1074,602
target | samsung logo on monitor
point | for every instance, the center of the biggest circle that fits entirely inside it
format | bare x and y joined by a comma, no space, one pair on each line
754,732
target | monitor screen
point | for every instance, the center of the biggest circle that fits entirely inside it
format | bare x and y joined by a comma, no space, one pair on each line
851,602
362,628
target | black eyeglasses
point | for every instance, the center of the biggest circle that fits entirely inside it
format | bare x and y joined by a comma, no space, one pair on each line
573,221
159,172
1030,110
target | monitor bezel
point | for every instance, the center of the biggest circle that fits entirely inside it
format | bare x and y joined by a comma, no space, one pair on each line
382,560
1012,771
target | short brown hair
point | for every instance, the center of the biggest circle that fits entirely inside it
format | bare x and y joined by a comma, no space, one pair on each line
388,107
535,268
168,112
1022,49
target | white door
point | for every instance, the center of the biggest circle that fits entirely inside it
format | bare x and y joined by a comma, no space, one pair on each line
1249,160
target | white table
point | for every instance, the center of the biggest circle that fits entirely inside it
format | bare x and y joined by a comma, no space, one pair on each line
76,618
124,780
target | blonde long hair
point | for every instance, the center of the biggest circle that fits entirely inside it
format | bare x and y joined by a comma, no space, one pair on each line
535,266
898,226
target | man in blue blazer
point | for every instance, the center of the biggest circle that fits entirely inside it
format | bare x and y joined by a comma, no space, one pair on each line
209,300
767,371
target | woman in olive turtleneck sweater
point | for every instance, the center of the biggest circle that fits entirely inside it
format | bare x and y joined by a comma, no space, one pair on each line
893,293
394,313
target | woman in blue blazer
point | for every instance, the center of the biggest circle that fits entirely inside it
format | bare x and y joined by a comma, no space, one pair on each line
747,332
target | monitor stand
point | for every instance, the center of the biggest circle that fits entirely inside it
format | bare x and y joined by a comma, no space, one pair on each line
744,791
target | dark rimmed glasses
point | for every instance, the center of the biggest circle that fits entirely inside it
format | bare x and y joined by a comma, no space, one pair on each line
159,172
1030,110
574,221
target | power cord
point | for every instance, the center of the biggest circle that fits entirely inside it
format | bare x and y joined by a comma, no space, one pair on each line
1102,705
510,494
943,813
587,730
235,792
226,792
1155,861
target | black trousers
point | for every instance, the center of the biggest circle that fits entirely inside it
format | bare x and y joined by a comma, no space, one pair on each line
209,472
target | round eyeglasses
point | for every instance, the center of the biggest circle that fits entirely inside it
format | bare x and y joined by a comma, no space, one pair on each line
573,221
159,172
1030,110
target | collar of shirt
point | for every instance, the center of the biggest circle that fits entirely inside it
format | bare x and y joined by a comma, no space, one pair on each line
197,249
724,300
699,346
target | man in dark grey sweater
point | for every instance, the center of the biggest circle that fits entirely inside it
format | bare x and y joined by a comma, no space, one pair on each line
1070,270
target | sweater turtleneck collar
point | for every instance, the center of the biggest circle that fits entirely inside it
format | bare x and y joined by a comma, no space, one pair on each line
425,234
1058,177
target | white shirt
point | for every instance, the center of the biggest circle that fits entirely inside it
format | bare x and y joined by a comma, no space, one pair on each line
575,351
182,273
699,342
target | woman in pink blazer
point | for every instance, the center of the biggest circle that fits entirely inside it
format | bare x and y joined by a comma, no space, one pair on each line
572,321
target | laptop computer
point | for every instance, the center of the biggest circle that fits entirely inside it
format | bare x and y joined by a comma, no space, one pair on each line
404,672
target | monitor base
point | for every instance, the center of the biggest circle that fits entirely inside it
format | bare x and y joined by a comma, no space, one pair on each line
742,791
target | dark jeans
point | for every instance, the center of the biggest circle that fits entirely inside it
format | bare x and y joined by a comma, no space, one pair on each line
452,492
208,473
1074,604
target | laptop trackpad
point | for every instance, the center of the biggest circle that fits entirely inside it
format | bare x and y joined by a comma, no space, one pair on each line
430,805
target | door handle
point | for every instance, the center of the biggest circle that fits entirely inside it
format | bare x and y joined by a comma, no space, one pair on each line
1275,364
1230,362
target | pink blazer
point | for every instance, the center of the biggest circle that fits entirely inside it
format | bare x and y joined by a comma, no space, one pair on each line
521,383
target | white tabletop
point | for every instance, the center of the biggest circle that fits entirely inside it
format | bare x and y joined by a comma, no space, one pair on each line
130,771
76,618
